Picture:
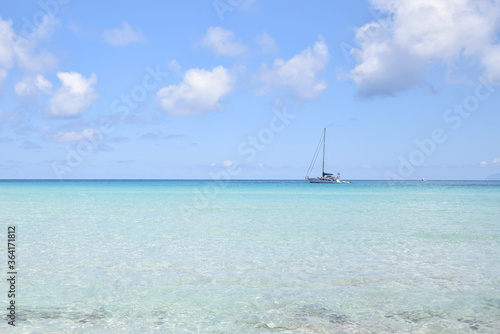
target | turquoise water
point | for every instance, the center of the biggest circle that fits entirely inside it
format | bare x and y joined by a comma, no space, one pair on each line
254,256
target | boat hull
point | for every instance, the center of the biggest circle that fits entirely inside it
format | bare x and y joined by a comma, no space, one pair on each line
318,180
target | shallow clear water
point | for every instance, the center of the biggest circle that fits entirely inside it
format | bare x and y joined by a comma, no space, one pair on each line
255,256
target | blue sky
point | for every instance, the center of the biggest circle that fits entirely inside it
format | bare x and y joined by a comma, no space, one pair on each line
242,89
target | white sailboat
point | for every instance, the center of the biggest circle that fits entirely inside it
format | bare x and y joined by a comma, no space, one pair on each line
325,177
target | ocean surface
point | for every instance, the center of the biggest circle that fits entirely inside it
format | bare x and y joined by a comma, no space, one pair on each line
253,256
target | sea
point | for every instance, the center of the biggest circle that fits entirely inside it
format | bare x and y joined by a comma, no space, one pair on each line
96,256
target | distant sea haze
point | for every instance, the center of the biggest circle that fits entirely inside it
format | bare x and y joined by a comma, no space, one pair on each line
494,177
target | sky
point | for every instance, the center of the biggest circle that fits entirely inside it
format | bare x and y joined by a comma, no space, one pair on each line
242,89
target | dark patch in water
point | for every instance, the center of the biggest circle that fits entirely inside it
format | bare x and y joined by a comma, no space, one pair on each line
308,317
33,315
414,316
492,303
322,313
472,322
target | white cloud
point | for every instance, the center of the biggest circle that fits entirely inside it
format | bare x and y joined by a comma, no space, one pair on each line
483,163
221,42
15,48
35,63
496,161
27,58
43,84
174,67
492,64
122,36
298,74
396,51
227,163
74,96
68,136
245,4
200,91
3,74
7,53
267,43
33,86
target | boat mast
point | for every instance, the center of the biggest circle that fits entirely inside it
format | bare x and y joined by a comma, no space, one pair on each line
324,139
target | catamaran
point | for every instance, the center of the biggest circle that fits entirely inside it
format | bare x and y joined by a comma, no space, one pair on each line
325,177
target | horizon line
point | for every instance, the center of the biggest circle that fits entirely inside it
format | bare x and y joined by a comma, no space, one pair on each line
228,180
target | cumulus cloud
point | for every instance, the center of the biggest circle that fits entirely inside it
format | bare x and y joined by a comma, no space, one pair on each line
27,58
33,86
74,96
222,42
199,92
267,43
483,164
69,136
491,62
122,36
395,51
496,161
298,74
17,49
7,53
